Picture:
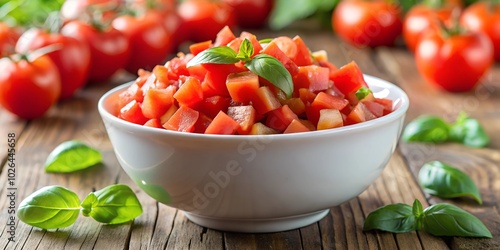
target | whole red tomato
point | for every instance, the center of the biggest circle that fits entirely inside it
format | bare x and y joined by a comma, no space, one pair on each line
72,59
109,48
8,39
485,17
74,9
28,86
203,19
454,62
367,23
150,37
424,17
251,13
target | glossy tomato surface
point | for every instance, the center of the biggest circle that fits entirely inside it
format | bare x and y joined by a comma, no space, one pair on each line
72,58
485,17
8,39
251,13
367,23
454,63
29,88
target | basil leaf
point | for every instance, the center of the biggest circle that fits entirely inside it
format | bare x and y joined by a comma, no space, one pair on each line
362,93
426,128
418,211
265,40
395,218
113,204
246,50
217,55
272,70
71,156
445,181
469,132
449,220
49,208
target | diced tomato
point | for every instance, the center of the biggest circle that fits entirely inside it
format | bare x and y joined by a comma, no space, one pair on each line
253,39
176,68
133,92
312,77
375,108
306,95
287,45
161,73
183,120
157,102
154,123
217,75
189,93
169,113
280,118
360,113
330,118
197,71
202,124
222,124
303,56
235,44
211,106
387,103
143,75
196,48
348,79
132,112
261,129
224,37
308,124
273,50
245,116
296,105
296,127
265,101
242,86
324,101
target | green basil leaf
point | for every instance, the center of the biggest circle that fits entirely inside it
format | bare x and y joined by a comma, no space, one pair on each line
265,40
395,218
426,128
469,132
445,181
114,204
272,70
71,156
246,50
49,208
362,93
217,55
418,211
449,220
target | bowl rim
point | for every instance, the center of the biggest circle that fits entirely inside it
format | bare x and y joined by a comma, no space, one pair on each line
399,112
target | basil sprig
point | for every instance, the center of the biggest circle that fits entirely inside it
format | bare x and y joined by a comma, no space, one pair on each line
439,220
445,181
263,65
57,207
71,156
434,129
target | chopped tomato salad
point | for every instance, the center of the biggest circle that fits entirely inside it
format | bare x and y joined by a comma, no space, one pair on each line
244,86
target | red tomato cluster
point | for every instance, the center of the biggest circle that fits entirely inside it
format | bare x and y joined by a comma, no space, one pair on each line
229,98
98,38
454,58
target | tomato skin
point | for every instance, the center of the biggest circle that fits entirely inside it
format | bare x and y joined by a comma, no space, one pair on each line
367,23
149,39
454,63
8,39
109,49
72,59
73,9
480,17
251,14
421,18
203,19
29,89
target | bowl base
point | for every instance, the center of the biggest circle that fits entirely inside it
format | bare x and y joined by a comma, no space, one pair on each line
258,226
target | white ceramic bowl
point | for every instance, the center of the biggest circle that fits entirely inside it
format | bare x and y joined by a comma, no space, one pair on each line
257,183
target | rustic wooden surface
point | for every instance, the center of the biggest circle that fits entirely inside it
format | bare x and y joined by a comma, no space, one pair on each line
162,227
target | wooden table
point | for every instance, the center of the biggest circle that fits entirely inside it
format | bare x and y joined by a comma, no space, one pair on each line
163,227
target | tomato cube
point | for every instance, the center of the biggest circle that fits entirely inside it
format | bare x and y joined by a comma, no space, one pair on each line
133,92
303,56
273,50
261,129
222,124
224,37
212,105
158,101
265,101
296,126
348,79
330,118
245,116
182,120
360,113
280,118
375,108
132,112
242,86
196,48
312,77
202,124
189,93
324,101
154,123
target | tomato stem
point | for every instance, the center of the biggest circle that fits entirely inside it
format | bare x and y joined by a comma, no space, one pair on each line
434,3
455,28
33,55
53,23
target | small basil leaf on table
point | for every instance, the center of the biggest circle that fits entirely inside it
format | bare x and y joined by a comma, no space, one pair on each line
71,156
449,220
445,181
113,204
394,218
469,132
426,128
49,208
